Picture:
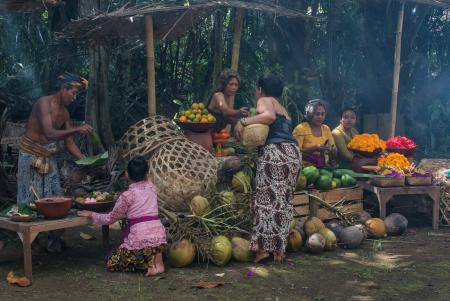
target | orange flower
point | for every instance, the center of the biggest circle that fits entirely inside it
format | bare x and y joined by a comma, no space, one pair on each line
367,142
394,160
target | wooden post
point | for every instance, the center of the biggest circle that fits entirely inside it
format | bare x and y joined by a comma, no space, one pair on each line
236,45
151,92
398,48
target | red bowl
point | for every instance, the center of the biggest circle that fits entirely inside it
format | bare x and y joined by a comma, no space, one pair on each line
375,153
195,127
54,207
97,207
403,151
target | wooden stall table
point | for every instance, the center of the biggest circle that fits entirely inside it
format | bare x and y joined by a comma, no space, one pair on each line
28,232
384,195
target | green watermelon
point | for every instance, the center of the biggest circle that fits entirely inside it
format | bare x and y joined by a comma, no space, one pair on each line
324,182
325,172
337,181
337,174
348,181
311,173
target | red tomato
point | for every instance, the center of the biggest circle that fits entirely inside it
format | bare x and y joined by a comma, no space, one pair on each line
222,136
228,136
215,136
224,152
223,131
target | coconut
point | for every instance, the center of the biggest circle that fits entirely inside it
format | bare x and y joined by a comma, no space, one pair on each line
238,184
333,223
301,183
396,224
228,196
364,231
315,243
221,250
181,253
330,238
294,241
293,223
240,251
232,166
312,225
351,237
363,217
298,223
232,234
200,206
300,230
376,227
337,232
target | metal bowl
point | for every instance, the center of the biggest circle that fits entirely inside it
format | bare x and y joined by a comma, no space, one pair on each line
97,207
54,207
195,127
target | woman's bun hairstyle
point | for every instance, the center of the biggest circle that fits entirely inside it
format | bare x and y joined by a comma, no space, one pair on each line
137,169
271,85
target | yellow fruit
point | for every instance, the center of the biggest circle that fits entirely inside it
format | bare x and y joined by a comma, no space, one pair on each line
200,206
294,241
204,120
210,118
181,253
312,225
187,113
183,118
196,120
209,115
201,106
204,111
194,106
330,238
191,116
189,121
333,185
376,227
198,116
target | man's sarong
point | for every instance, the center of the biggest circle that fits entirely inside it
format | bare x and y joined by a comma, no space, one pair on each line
46,185
279,166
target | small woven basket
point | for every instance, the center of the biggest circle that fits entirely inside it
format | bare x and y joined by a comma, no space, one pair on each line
387,182
25,219
255,135
416,181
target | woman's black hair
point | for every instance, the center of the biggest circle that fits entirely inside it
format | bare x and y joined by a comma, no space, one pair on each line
344,109
271,85
137,169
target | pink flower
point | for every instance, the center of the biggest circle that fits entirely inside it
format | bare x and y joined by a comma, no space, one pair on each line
249,274
292,264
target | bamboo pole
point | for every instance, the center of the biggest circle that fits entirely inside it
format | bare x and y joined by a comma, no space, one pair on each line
151,91
398,48
236,46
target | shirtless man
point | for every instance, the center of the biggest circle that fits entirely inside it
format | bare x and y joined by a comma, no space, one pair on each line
49,122
220,98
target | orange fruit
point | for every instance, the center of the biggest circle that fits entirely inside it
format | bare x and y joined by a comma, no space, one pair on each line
187,113
198,116
194,111
201,105
194,106
183,118
210,118
205,111
208,115
204,120
191,116
189,121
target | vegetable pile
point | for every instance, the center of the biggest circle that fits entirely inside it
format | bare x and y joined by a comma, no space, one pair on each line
400,142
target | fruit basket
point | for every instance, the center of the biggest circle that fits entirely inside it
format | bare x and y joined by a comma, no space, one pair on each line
375,153
195,127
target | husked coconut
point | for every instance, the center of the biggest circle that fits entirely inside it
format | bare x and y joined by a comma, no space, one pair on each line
294,241
396,224
240,251
181,253
364,231
363,217
376,227
337,232
315,243
312,225
351,237
299,228
333,223
298,223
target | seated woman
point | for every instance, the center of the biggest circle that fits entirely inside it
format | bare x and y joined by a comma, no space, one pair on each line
220,98
343,134
314,138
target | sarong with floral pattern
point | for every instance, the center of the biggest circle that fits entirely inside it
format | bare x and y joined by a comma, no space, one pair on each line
279,166
124,260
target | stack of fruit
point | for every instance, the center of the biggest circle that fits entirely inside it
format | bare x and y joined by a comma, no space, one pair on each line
223,135
326,180
218,138
197,113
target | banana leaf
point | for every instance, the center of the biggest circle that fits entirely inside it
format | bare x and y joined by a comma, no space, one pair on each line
98,160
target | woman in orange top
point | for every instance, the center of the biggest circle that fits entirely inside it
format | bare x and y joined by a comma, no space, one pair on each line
314,138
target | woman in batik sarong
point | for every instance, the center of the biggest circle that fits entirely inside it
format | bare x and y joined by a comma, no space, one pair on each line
314,138
221,97
144,237
279,165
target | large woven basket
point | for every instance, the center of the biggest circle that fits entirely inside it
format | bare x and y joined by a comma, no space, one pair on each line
387,182
255,135
416,181
181,170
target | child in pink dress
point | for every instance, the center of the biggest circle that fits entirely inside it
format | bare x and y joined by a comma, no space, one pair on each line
144,238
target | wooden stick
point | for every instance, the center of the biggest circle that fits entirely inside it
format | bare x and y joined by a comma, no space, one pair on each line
151,91
37,198
398,48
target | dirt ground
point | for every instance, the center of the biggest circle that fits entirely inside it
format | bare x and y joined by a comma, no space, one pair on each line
415,266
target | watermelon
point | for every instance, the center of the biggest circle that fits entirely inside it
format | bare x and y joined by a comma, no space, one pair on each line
348,181
337,174
324,182
311,173
325,172
337,181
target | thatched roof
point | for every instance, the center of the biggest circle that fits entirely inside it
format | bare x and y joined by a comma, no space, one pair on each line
169,21
15,6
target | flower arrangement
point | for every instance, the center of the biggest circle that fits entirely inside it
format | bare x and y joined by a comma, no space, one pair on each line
418,172
394,160
400,142
367,142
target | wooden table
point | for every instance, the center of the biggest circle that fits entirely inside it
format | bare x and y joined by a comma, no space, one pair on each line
384,195
28,232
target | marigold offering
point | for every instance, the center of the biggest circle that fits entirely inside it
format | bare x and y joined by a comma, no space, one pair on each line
397,161
367,142
400,142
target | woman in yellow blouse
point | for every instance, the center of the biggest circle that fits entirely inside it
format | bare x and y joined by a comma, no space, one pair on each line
343,134
314,138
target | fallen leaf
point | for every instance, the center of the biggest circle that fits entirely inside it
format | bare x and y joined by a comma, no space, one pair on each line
220,275
374,287
11,278
2,244
208,284
86,236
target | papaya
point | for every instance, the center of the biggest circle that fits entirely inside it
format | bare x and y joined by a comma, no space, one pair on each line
325,172
337,174
348,181
324,182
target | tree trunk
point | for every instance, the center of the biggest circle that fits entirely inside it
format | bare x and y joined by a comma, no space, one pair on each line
218,43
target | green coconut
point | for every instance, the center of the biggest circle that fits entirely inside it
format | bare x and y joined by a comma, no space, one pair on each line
301,183
228,196
239,180
330,238
293,223
312,225
240,251
294,241
221,250
181,253
200,205
233,234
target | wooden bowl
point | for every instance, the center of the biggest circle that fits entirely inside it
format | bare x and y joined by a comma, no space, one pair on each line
375,153
195,127
402,151
97,207
54,207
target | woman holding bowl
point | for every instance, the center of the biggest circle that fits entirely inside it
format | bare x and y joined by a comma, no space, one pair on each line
343,134
314,138
279,165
